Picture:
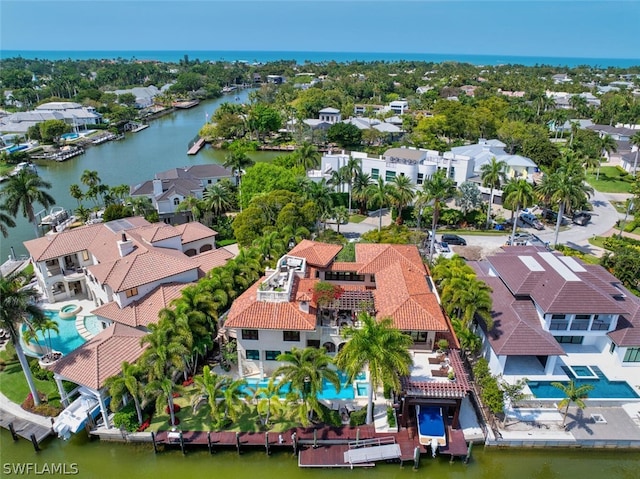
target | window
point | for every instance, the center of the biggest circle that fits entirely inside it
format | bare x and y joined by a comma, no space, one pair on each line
176,201
569,339
420,179
271,355
452,173
418,336
85,255
580,322
632,356
291,335
250,334
375,173
131,292
558,325
342,276
601,322
253,354
389,175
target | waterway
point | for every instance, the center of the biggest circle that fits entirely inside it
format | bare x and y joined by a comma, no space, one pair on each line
137,158
104,460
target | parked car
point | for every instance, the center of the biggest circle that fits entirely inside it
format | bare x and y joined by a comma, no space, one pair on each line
532,220
509,222
552,217
442,247
581,219
453,239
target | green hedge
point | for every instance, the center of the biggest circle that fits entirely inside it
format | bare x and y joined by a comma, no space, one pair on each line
491,394
358,418
127,418
614,242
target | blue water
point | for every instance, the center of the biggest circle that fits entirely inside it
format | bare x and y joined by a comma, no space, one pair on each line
328,390
582,371
430,422
69,136
602,388
67,338
93,324
15,148
315,57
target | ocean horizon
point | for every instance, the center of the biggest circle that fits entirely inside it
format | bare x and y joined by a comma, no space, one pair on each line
302,57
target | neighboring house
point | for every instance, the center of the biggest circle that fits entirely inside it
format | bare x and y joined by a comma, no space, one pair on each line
276,79
469,90
122,260
278,312
560,78
363,123
330,115
617,133
630,160
145,96
74,114
362,109
171,187
399,107
548,307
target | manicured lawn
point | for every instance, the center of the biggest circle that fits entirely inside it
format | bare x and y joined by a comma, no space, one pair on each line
597,241
357,218
14,385
611,180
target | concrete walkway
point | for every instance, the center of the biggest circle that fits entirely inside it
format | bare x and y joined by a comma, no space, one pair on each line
8,407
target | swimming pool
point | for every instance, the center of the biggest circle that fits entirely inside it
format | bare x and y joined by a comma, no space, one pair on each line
603,388
66,340
93,324
69,136
328,390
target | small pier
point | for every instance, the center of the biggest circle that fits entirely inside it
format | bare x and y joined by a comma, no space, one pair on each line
184,104
20,427
196,147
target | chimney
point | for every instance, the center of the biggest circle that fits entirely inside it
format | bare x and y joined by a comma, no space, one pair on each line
125,246
157,187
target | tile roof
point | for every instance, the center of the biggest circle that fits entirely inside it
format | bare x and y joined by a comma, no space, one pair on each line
375,257
101,357
344,266
64,243
249,313
155,232
316,254
143,312
211,259
194,231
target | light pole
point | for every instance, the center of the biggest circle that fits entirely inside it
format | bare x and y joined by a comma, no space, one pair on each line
626,215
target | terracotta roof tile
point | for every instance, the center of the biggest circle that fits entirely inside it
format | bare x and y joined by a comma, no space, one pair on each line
143,312
101,357
344,266
375,257
194,231
67,242
155,232
211,259
316,254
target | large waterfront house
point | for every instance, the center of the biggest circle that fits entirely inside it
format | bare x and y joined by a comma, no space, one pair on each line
552,311
279,312
129,269
461,164
75,115
168,188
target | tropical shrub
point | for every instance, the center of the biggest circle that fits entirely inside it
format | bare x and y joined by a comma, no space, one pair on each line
391,417
126,418
358,418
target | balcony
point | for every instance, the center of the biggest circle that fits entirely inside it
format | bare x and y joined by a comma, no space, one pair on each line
73,274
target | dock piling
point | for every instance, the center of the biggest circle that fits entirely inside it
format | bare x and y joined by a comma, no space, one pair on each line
182,442
34,441
153,440
209,442
238,442
466,459
13,432
416,458
266,442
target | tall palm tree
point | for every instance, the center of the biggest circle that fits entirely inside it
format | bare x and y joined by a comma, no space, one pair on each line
217,199
238,161
361,183
233,402
210,387
90,178
565,186
607,146
6,222
271,246
518,193
493,174
305,371
378,196
163,389
379,347
194,205
17,305
573,394
164,354
307,156
22,191
126,382
349,172
76,193
474,299
341,215
437,189
43,325
402,194
635,141
267,400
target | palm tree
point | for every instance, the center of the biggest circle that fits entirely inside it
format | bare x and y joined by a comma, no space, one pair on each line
76,193
361,183
607,146
378,196
573,394
238,161
381,348
307,156
6,222
126,382
217,199
164,354
305,372
17,305
437,189
233,402
210,386
90,178
474,299
270,245
193,205
42,325
338,179
341,215
163,388
268,400
518,193
493,174
402,194
22,191
349,172
635,141
566,187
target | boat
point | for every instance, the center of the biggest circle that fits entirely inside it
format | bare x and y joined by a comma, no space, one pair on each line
75,416
431,430
25,165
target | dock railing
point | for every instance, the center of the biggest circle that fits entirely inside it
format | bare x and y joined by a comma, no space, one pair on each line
377,441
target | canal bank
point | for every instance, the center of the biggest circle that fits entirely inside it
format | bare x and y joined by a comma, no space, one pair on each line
161,146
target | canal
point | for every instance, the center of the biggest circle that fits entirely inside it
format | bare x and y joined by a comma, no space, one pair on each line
137,158
104,460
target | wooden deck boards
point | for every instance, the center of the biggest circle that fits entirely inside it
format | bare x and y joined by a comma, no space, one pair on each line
24,428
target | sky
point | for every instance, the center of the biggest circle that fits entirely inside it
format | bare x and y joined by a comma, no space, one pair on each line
559,28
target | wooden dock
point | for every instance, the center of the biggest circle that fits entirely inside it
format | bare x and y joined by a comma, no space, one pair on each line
184,104
197,146
34,432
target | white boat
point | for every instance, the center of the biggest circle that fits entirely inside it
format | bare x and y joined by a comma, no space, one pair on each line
74,417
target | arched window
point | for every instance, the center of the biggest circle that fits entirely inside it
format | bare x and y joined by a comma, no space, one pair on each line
176,201
206,247
191,252
329,346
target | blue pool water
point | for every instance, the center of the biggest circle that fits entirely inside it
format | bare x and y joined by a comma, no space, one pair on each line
328,390
93,324
582,371
69,136
602,387
14,148
67,338
430,422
